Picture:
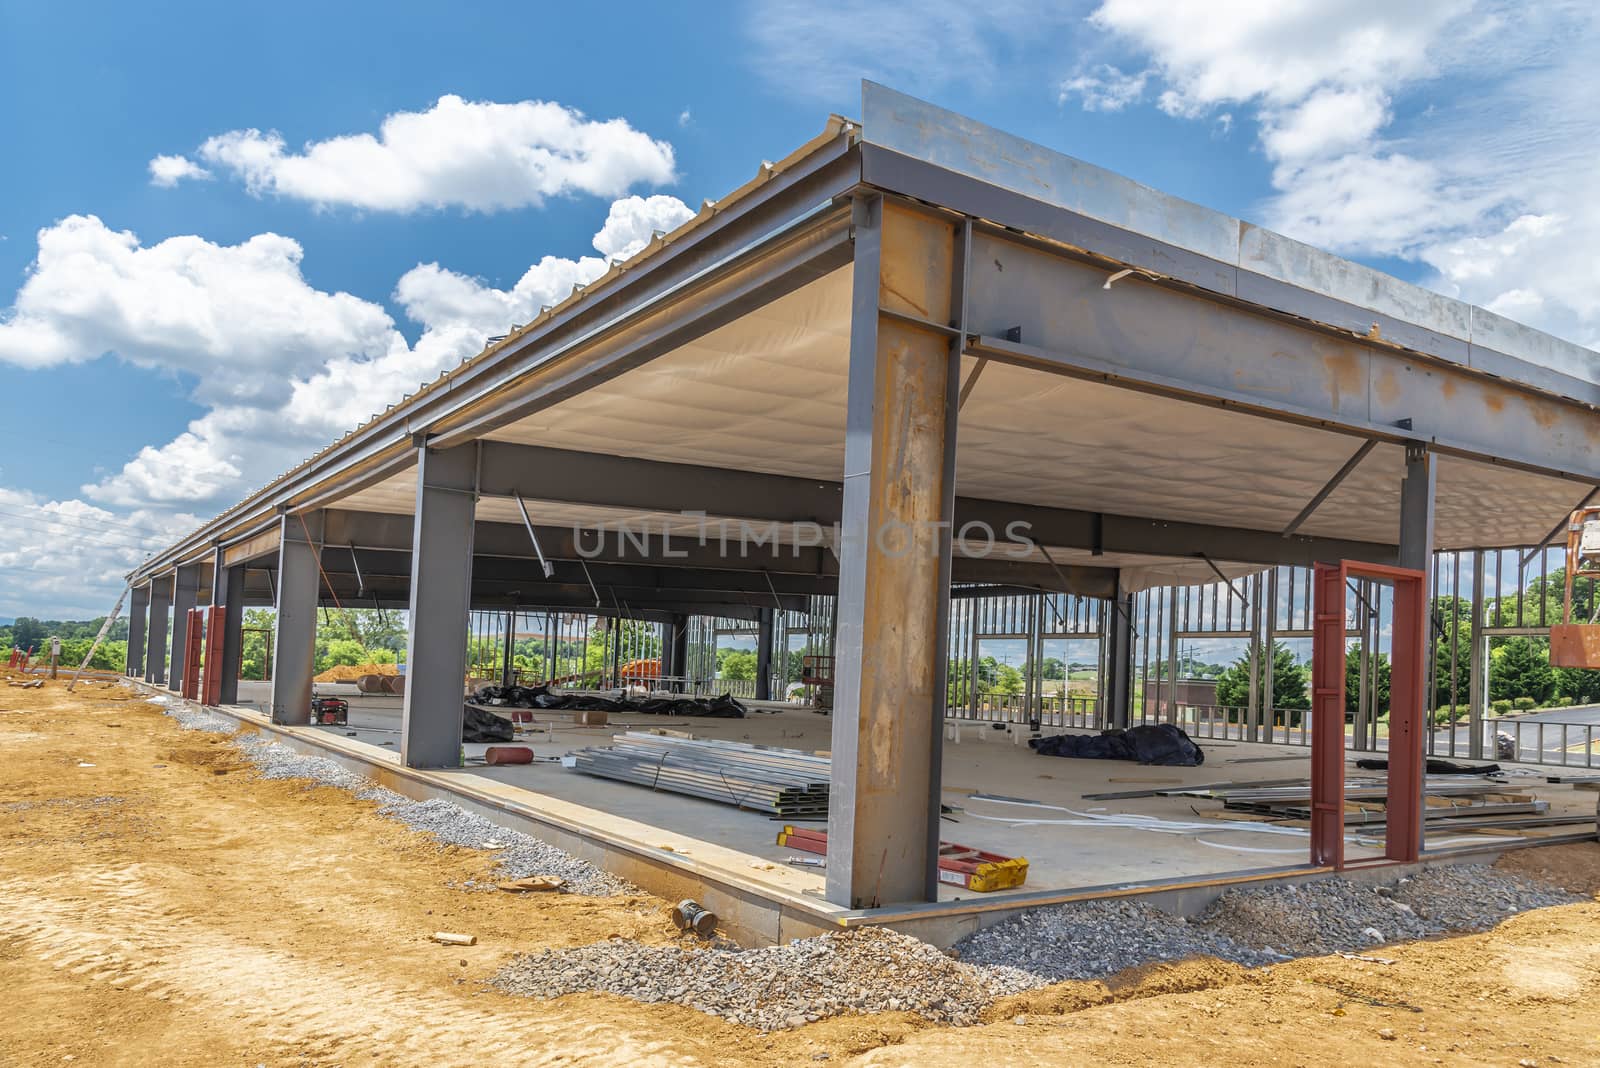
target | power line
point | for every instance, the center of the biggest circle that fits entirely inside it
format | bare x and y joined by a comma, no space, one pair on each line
84,520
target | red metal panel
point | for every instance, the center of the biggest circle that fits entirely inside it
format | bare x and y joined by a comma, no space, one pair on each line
1327,717
215,616
194,640
1403,837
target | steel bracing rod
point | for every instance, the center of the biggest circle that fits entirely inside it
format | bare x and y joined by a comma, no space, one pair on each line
1331,485
595,589
1557,529
1226,581
361,583
774,589
549,570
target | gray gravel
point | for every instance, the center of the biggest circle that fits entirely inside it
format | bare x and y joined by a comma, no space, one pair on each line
1334,916
519,855
861,971
1094,939
197,719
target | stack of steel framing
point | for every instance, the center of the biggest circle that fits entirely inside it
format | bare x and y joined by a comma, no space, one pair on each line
786,783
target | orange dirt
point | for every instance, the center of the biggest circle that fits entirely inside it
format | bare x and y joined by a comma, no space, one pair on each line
352,672
167,906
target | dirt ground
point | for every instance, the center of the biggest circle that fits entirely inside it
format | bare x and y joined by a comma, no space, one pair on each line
160,904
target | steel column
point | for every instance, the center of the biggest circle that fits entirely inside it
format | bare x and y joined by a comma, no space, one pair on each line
138,610
508,672
294,632
1119,654
155,661
764,655
1477,663
185,592
899,487
227,592
441,586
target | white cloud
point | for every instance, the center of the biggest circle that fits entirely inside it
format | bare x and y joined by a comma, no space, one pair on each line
684,118
184,304
66,559
1105,88
480,156
168,171
284,368
1458,134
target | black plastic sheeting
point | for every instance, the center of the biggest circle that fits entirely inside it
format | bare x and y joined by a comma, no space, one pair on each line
1435,766
724,707
478,725
1159,743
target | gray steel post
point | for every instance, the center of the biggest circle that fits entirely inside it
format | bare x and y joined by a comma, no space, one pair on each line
1416,511
155,656
1119,633
508,671
232,634
680,647
441,586
185,591
227,592
764,655
894,567
1252,715
138,610
294,636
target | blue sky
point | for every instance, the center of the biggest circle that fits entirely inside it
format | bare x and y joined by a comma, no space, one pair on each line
209,206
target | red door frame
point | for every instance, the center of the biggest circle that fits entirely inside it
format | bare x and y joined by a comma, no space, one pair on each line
1403,823
194,641
213,669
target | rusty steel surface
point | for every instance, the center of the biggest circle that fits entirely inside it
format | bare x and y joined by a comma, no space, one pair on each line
895,564
1327,718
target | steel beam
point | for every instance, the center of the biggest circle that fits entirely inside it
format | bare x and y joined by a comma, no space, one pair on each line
155,662
185,592
138,612
607,481
894,572
441,584
294,637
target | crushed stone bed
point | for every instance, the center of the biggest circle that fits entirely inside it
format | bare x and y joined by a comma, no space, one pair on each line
518,855
867,970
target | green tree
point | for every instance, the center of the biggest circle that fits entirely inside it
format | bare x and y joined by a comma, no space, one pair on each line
1051,668
1379,680
1580,684
1520,667
1288,681
1008,680
738,665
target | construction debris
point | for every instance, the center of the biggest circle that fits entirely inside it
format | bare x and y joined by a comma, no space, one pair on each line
533,883
786,783
550,697
450,938
1160,743
959,865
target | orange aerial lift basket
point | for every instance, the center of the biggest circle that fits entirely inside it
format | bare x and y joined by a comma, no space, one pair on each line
1577,645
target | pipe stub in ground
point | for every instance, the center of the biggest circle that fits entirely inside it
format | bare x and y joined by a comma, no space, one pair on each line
693,916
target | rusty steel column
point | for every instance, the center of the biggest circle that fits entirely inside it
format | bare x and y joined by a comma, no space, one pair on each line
894,570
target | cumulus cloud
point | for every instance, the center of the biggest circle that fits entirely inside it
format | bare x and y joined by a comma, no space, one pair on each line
168,171
184,304
1104,88
66,559
1456,133
476,155
284,368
